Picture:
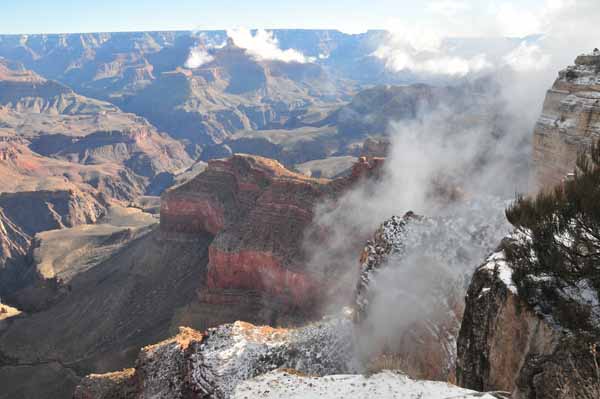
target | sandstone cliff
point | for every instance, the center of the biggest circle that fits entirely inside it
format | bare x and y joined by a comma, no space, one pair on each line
258,211
519,341
569,123
244,361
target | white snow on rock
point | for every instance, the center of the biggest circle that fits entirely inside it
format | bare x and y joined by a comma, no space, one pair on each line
385,385
235,352
497,264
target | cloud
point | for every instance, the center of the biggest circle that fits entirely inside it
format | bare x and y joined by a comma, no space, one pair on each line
552,34
422,51
485,148
527,57
264,46
198,56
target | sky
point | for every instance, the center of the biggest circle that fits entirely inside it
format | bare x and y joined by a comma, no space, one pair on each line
454,17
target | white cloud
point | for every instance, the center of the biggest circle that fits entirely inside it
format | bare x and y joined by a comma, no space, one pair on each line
198,56
421,51
565,27
400,59
264,46
527,57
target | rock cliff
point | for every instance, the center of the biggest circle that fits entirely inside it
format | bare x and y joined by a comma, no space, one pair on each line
136,288
258,211
518,341
569,123
24,214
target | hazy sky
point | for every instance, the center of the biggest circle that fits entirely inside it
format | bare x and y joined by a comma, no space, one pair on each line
454,17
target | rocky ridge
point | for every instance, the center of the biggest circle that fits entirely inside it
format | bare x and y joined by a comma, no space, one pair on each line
24,214
136,286
212,364
80,140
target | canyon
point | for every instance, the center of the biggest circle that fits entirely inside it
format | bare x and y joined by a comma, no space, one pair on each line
497,338
143,197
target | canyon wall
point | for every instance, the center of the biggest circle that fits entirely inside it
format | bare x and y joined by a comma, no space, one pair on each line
258,211
530,337
570,121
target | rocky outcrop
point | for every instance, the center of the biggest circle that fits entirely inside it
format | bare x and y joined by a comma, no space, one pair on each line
569,123
515,339
499,330
135,289
212,364
244,361
37,211
257,210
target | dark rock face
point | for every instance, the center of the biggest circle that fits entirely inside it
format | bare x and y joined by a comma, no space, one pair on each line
512,341
499,332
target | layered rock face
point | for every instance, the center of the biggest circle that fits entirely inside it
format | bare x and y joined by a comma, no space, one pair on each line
233,92
24,214
522,341
569,123
136,288
47,130
257,210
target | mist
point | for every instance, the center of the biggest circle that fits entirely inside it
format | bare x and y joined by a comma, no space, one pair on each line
482,151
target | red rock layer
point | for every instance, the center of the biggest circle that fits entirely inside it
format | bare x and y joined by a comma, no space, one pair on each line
258,211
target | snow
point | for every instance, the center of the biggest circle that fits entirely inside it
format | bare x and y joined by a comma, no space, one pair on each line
496,263
384,385
236,352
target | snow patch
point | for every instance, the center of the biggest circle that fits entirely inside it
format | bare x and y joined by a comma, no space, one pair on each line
384,385
497,264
